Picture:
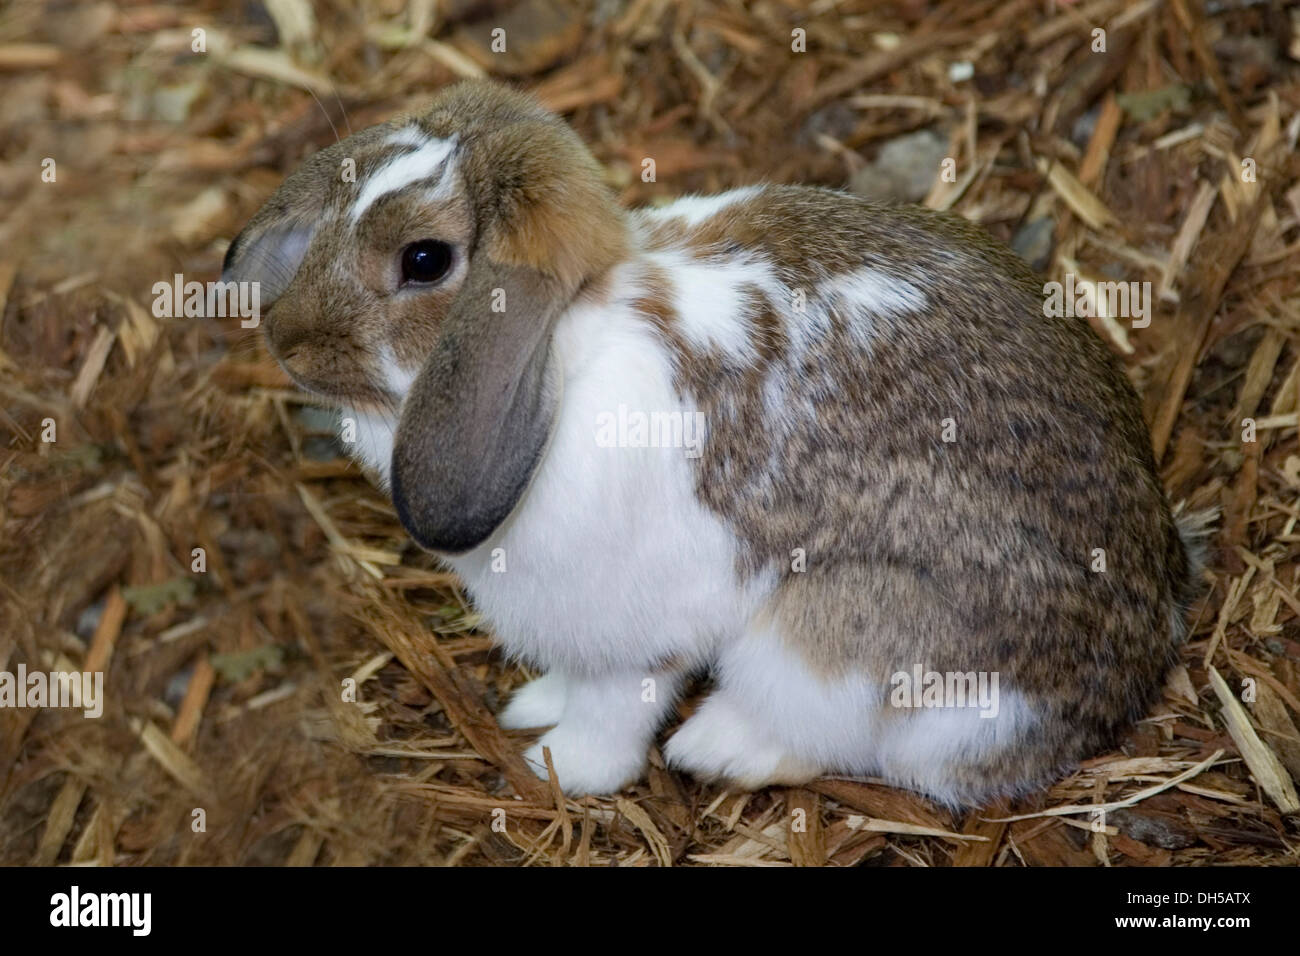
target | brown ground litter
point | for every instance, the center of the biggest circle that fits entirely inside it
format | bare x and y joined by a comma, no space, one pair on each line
1169,158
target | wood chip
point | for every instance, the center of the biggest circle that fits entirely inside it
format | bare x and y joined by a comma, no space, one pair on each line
171,758
806,838
91,367
1264,765
654,837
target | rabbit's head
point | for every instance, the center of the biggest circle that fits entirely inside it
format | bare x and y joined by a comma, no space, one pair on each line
417,269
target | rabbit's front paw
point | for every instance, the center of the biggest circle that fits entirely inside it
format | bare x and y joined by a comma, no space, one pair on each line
721,742
539,703
585,762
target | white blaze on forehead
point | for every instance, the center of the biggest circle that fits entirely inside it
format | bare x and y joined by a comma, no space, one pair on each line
422,162
409,136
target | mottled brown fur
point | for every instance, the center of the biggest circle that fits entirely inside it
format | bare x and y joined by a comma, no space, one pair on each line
973,555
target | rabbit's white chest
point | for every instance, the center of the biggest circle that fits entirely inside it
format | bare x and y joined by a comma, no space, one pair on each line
610,562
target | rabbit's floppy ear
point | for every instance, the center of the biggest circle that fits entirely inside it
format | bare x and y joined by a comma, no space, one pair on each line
476,421
269,256
271,248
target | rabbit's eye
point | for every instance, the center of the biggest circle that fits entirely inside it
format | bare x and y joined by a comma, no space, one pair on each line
425,261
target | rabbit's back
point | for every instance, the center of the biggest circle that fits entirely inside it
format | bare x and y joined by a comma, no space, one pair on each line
940,474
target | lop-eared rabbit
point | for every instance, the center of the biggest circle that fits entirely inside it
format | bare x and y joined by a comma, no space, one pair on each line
832,453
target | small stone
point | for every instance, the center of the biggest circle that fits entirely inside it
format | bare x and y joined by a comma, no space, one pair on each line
904,170
1033,242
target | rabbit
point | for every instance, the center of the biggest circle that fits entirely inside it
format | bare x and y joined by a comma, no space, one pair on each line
830,453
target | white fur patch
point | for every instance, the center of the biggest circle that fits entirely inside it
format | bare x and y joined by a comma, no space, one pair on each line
710,295
368,438
602,738
923,749
720,740
398,380
422,162
713,300
698,209
409,136
774,710
866,294
610,563
368,434
539,703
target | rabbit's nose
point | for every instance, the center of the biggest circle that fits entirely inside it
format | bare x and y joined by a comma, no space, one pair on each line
285,333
